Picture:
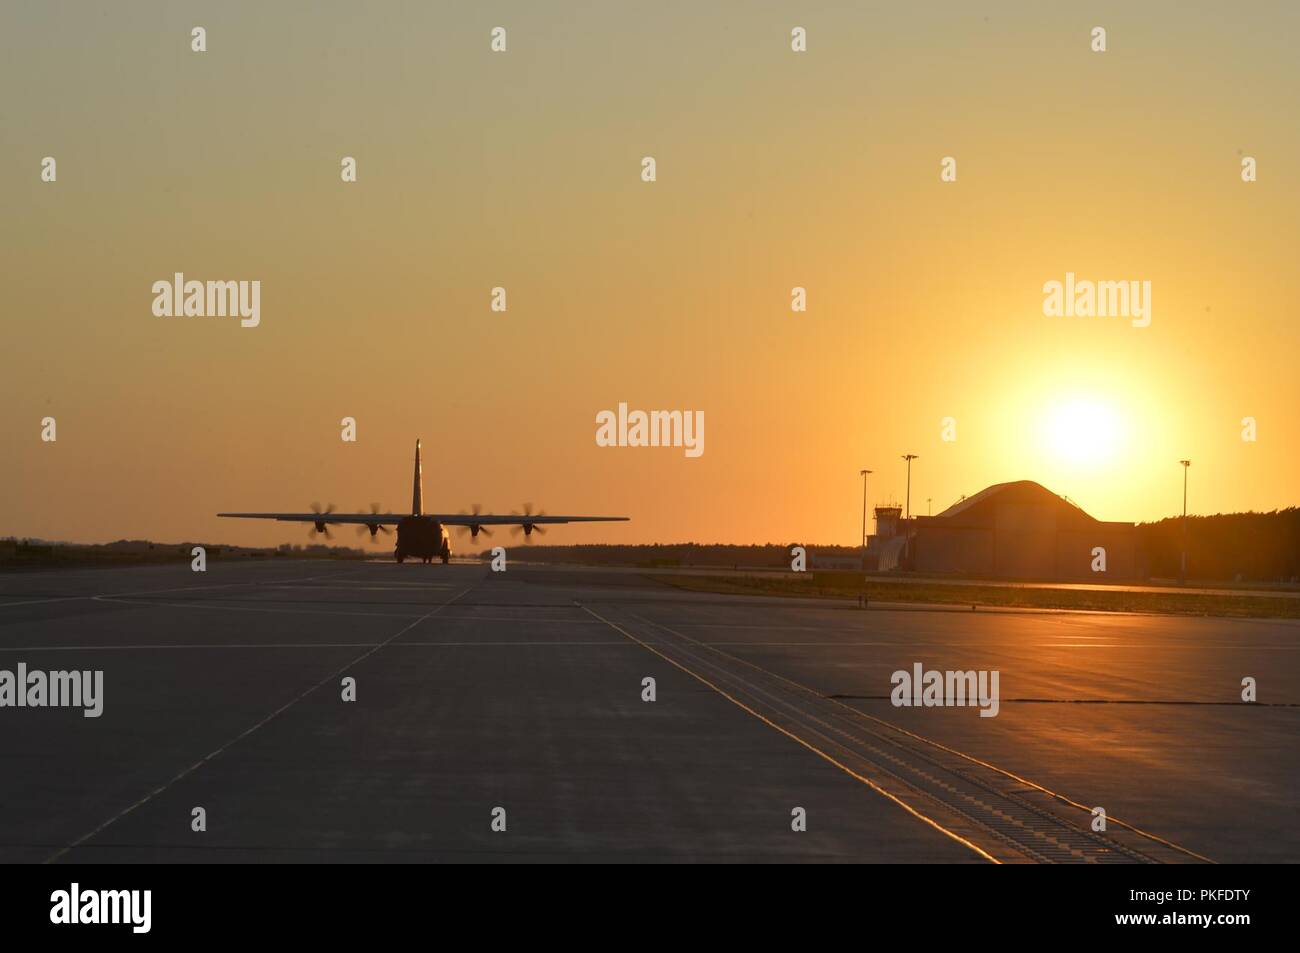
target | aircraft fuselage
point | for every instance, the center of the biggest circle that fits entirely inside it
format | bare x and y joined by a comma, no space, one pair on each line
422,537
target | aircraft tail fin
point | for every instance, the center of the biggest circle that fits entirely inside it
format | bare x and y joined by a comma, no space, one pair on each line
417,488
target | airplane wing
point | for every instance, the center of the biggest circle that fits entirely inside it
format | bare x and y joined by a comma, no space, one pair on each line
356,519
447,519
487,519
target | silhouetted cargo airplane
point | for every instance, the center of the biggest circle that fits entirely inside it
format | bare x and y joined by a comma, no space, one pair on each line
423,535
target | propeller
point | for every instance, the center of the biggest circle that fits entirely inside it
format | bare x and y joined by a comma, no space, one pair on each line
528,528
322,528
474,529
374,529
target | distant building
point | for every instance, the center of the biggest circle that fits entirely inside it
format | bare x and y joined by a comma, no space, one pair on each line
887,549
1017,530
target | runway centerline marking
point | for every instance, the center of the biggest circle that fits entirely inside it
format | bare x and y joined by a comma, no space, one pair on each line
248,731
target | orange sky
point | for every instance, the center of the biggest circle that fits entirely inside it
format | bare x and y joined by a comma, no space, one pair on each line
521,169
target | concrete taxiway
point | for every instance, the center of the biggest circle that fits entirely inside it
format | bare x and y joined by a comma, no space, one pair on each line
524,691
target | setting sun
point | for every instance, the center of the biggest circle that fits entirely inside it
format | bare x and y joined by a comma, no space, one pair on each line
1083,431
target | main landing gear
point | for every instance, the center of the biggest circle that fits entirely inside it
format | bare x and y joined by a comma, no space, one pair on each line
444,556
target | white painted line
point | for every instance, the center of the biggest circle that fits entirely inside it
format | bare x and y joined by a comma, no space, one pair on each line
37,602
247,731
301,645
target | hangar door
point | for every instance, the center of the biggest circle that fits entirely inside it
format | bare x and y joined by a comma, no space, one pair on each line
1024,540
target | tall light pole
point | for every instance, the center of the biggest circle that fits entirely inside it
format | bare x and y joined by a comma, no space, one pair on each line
1182,566
864,474
909,457
928,501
